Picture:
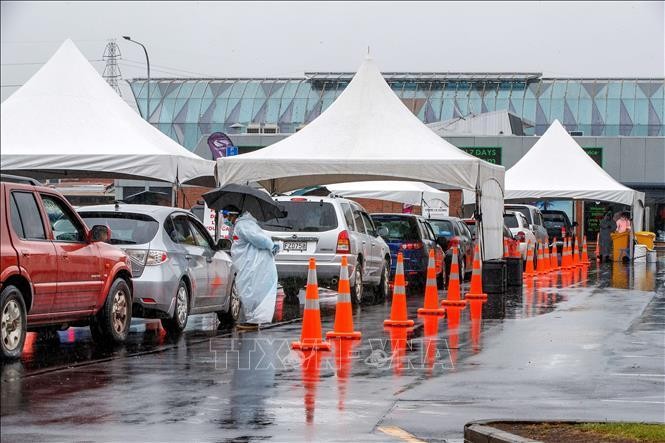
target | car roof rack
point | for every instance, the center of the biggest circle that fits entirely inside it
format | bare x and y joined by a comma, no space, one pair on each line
19,179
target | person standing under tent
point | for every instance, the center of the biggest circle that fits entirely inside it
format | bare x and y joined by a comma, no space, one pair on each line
623,224
253,254
607,227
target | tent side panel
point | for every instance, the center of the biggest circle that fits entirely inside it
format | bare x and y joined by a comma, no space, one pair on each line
491,208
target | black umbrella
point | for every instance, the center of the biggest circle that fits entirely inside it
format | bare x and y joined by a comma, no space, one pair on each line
245,198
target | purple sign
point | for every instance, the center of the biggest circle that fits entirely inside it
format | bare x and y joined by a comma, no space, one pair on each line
218,142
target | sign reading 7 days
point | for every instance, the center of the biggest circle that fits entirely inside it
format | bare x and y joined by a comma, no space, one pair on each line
596,153
491,154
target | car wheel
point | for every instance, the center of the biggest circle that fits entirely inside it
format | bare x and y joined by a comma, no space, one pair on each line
462,269
231,316
13,322
357,288
177,323
383,289
111,324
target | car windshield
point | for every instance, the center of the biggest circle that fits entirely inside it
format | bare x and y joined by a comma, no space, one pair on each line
304,216
510,220
399,228
554,220
126,228
443,228
524,211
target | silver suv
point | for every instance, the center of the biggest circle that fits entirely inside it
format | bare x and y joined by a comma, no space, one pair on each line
328,228
535,219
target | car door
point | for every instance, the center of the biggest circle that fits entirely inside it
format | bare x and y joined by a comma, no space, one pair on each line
36,253
194,257
218,263
79,265
375,259
467,241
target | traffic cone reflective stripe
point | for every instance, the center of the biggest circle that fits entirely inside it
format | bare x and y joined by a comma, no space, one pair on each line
585,254
454,293
540,269
344,310
476,291
506,248
529,272
554,258
546,258
310,338
431,306
576,255
398,312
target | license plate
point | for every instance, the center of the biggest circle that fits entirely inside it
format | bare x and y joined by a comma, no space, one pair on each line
295,246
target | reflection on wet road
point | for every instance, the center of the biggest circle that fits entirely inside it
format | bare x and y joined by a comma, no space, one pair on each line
213,383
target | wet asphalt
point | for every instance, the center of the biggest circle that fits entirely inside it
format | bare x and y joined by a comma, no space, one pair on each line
586,346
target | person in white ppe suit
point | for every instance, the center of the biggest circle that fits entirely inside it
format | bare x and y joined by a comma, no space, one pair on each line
253,254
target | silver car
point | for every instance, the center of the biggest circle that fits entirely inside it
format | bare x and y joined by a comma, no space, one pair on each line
328,228
177,268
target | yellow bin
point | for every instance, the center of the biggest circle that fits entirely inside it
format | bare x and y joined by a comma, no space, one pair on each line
645,238
619,242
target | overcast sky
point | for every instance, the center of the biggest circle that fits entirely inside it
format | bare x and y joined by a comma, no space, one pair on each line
288,38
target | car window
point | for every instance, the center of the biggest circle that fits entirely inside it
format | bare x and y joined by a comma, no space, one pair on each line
126,228
539,219
348,216
524,211
471,228
430,231
200,235
463,229
304,216
523,221
369,226
181,232
63,223
399,228
443,228
510,220
358,218
27,221
16,218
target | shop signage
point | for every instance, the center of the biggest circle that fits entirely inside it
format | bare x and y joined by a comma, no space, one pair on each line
491,154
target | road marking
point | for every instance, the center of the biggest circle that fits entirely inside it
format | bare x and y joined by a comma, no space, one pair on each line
641,375
400,433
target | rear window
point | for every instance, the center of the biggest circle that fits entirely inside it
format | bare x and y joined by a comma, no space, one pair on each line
554,220
510,220
443,228
524,211
126,228
399,228
304,216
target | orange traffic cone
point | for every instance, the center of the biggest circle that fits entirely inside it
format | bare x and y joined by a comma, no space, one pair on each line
454,294
546,257
540,266
310,338
585,255
529,272
343,312
476,291
576,255
398,313
568,256
554,259
431,292
506,248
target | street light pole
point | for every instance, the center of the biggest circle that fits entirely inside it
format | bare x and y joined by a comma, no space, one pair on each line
147,60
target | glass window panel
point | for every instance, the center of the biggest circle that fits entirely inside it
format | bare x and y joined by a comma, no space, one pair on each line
628,91
614,89
237,89
558,89
299,107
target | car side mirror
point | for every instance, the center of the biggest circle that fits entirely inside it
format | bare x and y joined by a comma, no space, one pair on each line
99,233
382,231
224,244
443,242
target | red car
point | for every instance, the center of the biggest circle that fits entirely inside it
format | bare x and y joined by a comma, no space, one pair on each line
54,271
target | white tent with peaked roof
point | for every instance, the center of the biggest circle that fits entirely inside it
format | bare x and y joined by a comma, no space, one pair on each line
556,167
66,121
368,134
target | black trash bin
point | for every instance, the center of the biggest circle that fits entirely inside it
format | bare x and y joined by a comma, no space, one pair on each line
514,268
494,276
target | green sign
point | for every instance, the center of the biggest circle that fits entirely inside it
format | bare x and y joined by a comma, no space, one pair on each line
596,153
491,154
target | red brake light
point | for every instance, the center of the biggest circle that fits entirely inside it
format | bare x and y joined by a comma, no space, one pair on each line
343,243
412,245
298,199
521,236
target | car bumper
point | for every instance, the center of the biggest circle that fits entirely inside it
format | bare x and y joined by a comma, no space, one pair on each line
327,269
154,292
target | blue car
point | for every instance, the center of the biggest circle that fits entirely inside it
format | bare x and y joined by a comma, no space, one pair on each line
413,236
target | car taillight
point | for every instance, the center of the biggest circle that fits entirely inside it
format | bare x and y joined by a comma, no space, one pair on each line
136,260
343,243
521,237
156,258
412,245
453,243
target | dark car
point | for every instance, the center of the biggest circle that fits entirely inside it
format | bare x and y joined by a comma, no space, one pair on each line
556,223
452,231
413,236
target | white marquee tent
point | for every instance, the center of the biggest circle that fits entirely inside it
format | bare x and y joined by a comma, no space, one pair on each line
66,121
368,134
432,201
556,167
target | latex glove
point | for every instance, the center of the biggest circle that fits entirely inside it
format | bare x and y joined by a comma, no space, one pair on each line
275,249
